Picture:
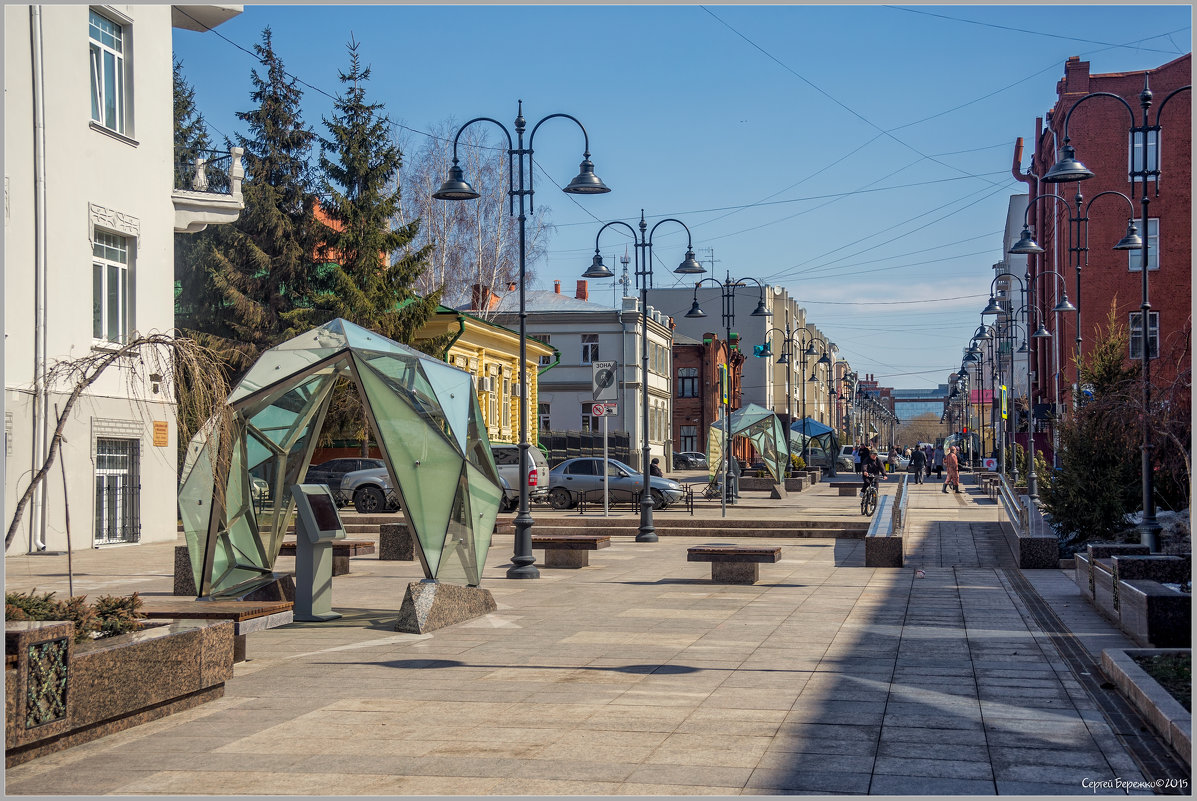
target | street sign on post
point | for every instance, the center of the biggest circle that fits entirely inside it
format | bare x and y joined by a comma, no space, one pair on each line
1003,401
604,385
597,409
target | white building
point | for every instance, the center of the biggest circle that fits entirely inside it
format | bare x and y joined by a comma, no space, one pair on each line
584,332
89,225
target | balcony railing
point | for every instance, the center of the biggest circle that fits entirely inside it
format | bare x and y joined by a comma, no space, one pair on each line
207,188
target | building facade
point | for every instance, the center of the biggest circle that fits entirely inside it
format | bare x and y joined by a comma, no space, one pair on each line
698,366
582,333
90,216
1098,277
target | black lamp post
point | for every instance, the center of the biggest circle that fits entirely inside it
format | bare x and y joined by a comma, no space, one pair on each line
729,319
644,279
1068,169
1078,236
456,188
809,351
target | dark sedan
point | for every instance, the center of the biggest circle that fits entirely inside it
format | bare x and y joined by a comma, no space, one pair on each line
331,472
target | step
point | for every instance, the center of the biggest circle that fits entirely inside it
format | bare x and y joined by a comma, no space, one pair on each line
764,531
706,525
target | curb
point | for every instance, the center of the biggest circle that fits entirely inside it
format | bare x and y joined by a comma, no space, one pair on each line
1166,715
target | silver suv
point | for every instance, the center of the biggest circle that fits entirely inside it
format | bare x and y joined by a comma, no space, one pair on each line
507,459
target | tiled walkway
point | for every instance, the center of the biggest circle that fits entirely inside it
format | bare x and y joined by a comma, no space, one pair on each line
639,676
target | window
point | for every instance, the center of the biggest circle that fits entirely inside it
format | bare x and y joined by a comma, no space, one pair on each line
687,382
689,439
542,412
118,490
590,350
107,50
506,401
492,405
1136,335
588,418
583,467
1134,258
548,358
110,288
1135,154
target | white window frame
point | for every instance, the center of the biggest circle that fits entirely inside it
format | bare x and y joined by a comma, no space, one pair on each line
587,417
106,266
108,72
689,381
542,412
1135,257
547,358
590,348
1134,149
1136,335
505,414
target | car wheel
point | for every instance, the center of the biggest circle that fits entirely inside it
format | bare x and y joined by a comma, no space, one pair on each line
560,498
369,500
509,504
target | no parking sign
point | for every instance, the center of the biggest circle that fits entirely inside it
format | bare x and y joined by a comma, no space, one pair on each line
989,464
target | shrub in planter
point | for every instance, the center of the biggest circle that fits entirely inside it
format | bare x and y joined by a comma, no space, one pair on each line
111,615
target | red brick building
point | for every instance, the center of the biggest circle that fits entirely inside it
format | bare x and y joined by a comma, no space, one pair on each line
696,400
1099,131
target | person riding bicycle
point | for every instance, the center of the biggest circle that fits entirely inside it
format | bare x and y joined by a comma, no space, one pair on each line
871,469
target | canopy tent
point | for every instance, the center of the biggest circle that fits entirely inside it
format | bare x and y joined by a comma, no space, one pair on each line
762,428
817,442
426,420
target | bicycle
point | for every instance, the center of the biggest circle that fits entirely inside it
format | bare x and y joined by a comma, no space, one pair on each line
868,500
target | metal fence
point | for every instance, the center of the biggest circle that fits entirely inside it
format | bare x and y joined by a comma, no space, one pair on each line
203,170
561,445
118,490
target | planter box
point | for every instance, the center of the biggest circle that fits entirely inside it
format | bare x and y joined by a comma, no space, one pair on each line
1165,714
59,693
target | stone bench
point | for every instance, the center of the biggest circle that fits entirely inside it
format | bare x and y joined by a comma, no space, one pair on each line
342,550
797,483
767,484
569,550
246,616
883,547
734,564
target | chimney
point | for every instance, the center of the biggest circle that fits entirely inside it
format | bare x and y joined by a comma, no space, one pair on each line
557,287
583,293
480,297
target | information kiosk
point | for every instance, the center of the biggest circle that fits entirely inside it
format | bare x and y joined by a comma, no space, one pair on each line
317,526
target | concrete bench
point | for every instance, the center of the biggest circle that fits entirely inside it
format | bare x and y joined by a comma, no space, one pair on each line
734,564
883,547
246,616
569,550
342,550
847,486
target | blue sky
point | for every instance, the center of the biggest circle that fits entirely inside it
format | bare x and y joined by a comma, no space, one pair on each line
858,155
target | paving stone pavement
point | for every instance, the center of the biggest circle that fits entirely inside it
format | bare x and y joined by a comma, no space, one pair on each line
638,676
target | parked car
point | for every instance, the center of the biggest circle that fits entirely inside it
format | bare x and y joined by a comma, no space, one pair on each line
845,461
331,473
259,488
370,491
683,461
573,477
698,458
507,459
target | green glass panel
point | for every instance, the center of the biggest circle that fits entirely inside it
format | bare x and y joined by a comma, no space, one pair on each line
405,378
424,463
454,389
485,496
458,561
276,366
195,499
478,452
363,339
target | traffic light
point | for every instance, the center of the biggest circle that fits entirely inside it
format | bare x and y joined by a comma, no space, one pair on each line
965,430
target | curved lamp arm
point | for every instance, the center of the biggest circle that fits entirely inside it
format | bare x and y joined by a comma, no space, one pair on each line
586,166
1125,105
455,171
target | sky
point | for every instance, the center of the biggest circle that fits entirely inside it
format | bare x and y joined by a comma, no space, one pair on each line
859,156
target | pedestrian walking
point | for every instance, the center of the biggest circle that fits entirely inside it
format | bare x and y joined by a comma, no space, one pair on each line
918,463
930,453
938,461
952,467
856,457
893,458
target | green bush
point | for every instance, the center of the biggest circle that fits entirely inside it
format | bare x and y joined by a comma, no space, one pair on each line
111,615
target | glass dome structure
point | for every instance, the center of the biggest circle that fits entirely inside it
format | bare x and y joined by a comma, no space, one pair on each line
427,423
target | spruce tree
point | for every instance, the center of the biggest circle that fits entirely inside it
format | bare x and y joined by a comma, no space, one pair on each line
360,197
259,269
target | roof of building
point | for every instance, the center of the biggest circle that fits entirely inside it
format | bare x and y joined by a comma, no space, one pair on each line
544,301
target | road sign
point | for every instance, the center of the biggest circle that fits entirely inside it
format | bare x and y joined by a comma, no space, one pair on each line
604,384
598,410
989,463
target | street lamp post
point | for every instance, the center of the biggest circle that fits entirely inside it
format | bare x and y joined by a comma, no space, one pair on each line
644,277
1068,169
810,351
456,187
728,287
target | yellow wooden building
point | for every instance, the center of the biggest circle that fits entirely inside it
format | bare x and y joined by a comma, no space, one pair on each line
490,353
